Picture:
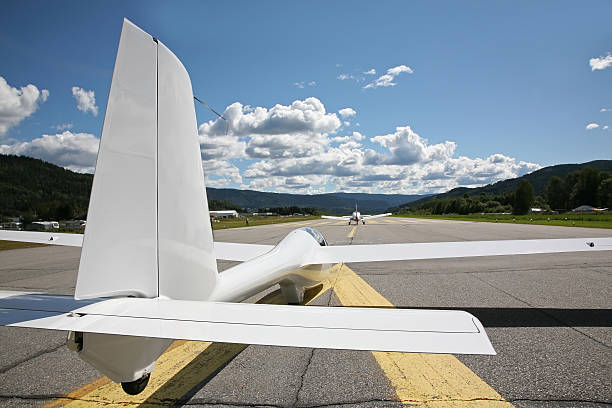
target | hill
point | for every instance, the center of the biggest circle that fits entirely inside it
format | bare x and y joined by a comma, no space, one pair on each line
30,186
538,179
336,203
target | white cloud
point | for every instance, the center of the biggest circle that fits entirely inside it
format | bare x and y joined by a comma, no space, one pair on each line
601,62
295,148
407,147
220,173
605,127
86,100
370,72
74,151
302,116
296,130
592,126
389,77
312,83
605,110
347,112
299,84
18,104
64,126
356,78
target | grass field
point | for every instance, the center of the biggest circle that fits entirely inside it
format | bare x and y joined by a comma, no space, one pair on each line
4,245
241,222
566,220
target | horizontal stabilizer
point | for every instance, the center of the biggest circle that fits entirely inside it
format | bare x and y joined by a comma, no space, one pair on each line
331,217
403,330
437,250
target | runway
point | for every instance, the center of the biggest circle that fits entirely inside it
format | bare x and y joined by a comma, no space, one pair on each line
549,318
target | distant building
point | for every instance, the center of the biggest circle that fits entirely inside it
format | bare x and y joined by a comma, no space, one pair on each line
42,226
12,225
224,214
263,214
75,225
588,208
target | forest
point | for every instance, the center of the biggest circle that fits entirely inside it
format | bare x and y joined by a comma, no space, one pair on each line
585,187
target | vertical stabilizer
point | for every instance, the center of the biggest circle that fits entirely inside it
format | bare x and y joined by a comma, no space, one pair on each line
187,266
148,232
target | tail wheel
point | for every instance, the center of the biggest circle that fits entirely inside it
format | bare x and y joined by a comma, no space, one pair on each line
137,386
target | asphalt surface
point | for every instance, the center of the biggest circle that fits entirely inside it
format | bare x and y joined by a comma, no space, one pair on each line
549,318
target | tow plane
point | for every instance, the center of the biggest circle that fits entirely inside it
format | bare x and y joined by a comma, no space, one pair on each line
148,274
355,216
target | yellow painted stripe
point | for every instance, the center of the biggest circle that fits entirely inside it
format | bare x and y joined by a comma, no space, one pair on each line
352,233
181,368
428,380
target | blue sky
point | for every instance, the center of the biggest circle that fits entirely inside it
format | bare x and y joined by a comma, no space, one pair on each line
476,92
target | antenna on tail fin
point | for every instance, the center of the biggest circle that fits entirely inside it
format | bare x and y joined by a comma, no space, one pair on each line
148,229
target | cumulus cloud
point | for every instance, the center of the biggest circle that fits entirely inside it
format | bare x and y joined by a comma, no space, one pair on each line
74,151
302,116
312,83
64,126
18,104
592,126
343,77
86,100
605,110
407,147
601,62
220,173
370,72
296,148
347,112
605,127
299,84
388,78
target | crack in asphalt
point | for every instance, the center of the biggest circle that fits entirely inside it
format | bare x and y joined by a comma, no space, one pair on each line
560,400
9,367
549,315
196,402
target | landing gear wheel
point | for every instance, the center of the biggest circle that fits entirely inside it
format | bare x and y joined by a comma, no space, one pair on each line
137,386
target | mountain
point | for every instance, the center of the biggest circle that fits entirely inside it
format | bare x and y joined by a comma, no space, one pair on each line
538,179
32,186
337,203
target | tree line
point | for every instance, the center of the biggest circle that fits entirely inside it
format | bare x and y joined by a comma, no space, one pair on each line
585,187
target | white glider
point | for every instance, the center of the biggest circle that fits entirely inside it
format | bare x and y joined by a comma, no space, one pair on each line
355,216
148,272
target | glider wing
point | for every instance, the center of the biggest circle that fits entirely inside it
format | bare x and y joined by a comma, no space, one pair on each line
437,250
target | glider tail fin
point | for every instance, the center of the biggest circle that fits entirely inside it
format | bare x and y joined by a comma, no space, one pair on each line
148,230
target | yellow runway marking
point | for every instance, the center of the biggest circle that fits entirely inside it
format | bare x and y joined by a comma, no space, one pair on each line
424,380
352,233
428,380
181,368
